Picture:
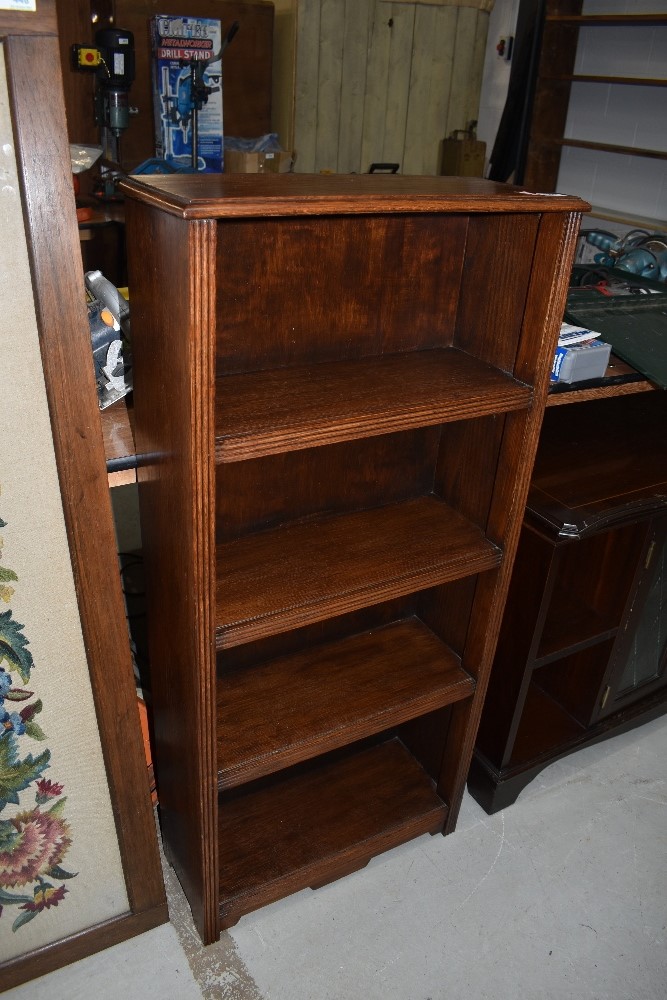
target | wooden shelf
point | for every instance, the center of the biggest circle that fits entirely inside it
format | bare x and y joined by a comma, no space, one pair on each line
633,81
607,19
605,147
571,626
307,829
119,449
266,412
302,573
620,379
299,706
627,219
545,726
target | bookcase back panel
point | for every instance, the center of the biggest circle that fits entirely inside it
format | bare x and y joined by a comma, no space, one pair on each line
320,289
338,627
353,475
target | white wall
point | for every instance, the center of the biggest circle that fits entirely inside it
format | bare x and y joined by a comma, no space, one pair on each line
619,114
496,72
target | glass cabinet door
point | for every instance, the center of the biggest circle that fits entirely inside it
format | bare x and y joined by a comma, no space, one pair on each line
640,656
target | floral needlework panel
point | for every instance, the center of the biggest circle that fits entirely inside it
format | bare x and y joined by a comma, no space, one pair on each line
60,866
34,842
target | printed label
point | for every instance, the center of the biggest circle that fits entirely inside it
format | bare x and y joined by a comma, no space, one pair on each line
27,5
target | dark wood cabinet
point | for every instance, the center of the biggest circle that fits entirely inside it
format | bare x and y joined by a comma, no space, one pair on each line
339,385
582,650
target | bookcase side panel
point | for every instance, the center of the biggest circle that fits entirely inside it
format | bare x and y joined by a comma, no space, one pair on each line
174,384
497,268
543,307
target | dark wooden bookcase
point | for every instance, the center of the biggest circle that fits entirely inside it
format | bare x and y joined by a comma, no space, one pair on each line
582,652
340,383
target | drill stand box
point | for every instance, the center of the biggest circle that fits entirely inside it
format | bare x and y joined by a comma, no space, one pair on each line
187,91
580,362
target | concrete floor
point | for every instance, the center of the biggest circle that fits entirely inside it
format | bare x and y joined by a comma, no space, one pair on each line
563,896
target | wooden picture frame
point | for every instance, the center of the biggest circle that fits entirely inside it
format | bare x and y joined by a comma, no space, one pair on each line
30,42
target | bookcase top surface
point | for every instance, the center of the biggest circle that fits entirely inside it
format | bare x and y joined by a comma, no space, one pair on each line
207,196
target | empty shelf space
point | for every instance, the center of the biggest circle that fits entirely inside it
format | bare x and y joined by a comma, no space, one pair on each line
287,409
295,707
309,828
545,726
301,573
572,625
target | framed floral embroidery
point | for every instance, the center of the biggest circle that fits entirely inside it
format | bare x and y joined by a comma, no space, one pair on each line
36,838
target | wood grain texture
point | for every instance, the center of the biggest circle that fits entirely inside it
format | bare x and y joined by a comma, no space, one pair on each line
397,81
26,23
601,392
491,313
305,85
341,815
607,19
281,579
80,946
469,49
430,87
358,23
311,290
614,471
543,310
175,427
38,117
74,27
268,412
340,304
296,707
589,514
374,81
342,478
329,80
218,196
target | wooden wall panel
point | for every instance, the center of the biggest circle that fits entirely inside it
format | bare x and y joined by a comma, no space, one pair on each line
435,32
395,86
358,18
305,91
329,82
380,81
469,45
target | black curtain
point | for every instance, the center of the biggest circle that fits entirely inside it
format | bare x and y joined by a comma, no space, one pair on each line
508,156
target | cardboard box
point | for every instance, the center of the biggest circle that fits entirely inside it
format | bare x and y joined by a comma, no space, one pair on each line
257,163
186,56
463,157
